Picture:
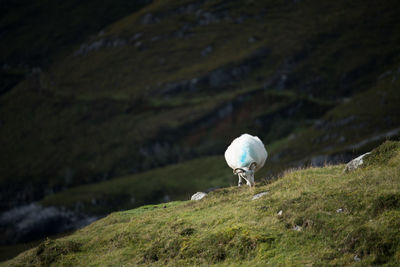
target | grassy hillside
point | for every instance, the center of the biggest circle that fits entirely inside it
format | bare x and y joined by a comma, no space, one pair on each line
41,30
312,145
178,80
310,216
34,34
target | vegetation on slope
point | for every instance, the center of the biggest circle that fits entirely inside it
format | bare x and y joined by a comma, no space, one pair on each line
174,182
34,34
304,146
309,216
128,99
353,127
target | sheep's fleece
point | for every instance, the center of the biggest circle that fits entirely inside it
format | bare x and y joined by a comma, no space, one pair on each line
246,155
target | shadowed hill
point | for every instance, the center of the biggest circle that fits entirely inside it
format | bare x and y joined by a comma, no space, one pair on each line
34,34
178,80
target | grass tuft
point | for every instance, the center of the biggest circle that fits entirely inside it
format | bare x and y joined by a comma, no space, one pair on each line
50,251
382,154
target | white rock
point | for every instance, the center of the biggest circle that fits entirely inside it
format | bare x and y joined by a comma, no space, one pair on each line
355,163
259,195
297,228
198,196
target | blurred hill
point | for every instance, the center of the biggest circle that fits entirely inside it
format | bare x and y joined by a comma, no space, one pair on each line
94,93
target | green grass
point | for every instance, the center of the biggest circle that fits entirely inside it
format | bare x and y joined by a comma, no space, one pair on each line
228,228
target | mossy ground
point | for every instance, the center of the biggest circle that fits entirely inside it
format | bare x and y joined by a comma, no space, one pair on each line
340,218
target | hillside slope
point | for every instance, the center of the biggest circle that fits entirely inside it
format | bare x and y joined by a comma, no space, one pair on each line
347,130
178,80
35,34
310,216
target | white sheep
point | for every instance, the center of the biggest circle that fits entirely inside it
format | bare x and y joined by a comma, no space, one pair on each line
246,155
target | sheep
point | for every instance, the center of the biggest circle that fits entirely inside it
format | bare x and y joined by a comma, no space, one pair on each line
246,155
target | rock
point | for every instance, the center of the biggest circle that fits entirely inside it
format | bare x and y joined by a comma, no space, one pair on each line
29,222
252,40
225,111
219,78
138,44
280,213
259,195
355,163
184,31
198,196
118,43
297,228
206,18
207,50
136,36
240,19
148,19
85,48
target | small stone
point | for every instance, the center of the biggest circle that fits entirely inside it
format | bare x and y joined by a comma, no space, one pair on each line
198,196
259,195
356,258
138,44
280,213
137,36
339,210
252,39
297,228
207,51
147,19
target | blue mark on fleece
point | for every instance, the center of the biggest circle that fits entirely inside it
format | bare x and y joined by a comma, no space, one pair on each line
244,155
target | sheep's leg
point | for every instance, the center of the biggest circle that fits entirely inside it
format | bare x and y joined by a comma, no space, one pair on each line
251,180
247,182
240,180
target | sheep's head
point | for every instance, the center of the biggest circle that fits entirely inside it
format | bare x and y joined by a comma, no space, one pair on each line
246,173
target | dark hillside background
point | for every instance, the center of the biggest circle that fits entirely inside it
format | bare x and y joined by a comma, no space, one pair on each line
115,104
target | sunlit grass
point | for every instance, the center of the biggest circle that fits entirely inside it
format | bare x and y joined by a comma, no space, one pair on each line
338,216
